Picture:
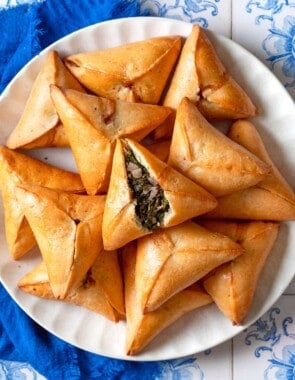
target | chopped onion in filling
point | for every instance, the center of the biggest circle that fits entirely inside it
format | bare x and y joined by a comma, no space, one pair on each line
151,204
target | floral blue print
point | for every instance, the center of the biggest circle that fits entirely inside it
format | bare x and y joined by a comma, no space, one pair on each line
282,359
285,366
185,10
263,330
279,45
181,369
268,5
15,370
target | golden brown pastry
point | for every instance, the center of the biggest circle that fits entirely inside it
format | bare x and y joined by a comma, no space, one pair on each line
93,123
145,194
100,291
39,124
67,228
135,72
171,259
233,285
207,156
160,149
164,131
270,199
201,76
17,168
142,328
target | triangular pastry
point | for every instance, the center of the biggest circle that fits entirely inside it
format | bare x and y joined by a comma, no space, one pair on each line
204,154
135,72
17,168
145,194
39,124
67,228
270,199
233,285
93,123
201,76
171,259
142,328
100,291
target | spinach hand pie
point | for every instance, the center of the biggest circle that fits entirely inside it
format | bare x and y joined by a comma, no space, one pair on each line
17,169
39,124
206,155
101,290
143,327
134,72
146,194
67,228
271,199
93,123
171,259
201,76
233,285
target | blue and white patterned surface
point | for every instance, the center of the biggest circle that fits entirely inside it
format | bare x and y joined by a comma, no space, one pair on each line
186,10
270,26
18,371
266,350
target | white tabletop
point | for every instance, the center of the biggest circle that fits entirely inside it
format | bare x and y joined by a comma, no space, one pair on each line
266,350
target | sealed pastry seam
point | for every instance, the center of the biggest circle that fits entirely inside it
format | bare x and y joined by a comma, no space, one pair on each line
277,194
187,251
39,124
180,198
136,72
201,76
210,158
68,247
146,305
89,293
268,227
126,77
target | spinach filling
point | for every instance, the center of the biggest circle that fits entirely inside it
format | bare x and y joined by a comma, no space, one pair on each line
151,204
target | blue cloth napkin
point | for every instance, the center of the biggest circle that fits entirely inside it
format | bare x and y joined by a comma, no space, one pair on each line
21,339
25,30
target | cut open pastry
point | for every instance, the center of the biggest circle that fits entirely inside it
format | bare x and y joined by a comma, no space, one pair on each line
39,124
207,156
171,259
270,199
201,76
142,328
145,194
17,168
101,290
93,123
67,228
135,72
233,285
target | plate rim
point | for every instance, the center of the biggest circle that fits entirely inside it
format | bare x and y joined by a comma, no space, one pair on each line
73,34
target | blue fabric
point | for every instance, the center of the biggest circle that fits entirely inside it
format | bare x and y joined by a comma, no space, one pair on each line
24,31
21,339
27,29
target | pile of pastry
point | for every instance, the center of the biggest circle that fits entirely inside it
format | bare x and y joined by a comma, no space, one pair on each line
166,213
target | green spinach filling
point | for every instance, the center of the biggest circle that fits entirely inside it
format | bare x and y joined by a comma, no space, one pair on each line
151,204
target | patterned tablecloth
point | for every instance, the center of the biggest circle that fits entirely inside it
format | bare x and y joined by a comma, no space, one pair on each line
266,350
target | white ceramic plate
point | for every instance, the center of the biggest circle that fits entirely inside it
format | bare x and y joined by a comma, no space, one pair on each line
204,328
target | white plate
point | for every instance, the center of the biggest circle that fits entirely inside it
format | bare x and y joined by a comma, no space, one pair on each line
204,328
